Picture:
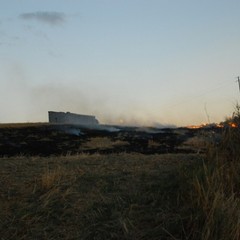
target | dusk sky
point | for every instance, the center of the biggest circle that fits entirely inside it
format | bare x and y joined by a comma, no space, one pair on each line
147,62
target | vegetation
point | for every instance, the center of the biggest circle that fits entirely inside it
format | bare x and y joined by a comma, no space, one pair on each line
22,125
213,193
118,196
125,196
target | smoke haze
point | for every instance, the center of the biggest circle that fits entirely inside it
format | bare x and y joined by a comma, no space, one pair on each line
28,102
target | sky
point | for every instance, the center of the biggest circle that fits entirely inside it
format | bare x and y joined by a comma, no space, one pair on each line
130,62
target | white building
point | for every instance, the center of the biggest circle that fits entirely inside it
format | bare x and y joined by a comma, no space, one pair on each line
71,118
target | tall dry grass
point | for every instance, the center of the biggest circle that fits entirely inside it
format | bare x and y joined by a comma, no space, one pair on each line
214,191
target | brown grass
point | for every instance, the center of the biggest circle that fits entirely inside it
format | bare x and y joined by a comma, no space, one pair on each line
102,143
125,196
119,196
213,191
23,125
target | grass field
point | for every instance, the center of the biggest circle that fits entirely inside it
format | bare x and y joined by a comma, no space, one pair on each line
125,195
121,196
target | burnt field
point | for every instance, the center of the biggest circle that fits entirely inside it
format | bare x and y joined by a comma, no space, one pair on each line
54,140
72,182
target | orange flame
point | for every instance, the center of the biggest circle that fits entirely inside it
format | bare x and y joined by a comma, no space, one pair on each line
233,125
217,125
197,126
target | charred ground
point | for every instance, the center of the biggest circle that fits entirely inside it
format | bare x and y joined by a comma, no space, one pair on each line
49,139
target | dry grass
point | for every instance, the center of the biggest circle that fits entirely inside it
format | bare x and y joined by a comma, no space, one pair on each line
52,178
153,144
213,192
119,196
196,142
214,212
22,125
102,143
124,196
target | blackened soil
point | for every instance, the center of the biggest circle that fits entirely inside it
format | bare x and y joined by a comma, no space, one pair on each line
47,140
